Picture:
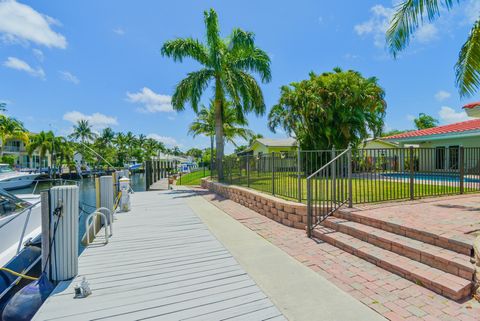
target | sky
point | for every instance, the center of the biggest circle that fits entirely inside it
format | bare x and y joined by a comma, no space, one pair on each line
62,61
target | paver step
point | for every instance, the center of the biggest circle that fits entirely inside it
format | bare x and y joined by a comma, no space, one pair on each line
446,260
456,245
446,284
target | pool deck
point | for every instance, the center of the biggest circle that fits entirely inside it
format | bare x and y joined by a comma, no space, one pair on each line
176,257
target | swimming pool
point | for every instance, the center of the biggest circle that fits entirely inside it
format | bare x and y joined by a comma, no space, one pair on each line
433,177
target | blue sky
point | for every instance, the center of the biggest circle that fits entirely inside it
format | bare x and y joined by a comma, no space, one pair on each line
61,61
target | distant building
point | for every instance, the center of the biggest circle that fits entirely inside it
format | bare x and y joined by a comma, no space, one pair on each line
18,149
262,146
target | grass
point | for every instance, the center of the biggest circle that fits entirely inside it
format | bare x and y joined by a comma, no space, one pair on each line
193,178
364,190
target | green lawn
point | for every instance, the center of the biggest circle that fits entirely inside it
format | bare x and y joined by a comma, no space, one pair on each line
193,178
364,190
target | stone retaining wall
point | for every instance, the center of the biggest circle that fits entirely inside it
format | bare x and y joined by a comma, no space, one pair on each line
288,213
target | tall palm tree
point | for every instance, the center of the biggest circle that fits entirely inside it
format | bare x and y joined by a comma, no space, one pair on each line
10,128
47,142
233,128
410,14
107,136
83,131
227,64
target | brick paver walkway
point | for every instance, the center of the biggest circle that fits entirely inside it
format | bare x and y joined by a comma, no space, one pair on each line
388,294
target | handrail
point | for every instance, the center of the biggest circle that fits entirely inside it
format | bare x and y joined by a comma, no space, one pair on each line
329,163
88,226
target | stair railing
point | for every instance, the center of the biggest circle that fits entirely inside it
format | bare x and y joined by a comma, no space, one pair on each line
329,188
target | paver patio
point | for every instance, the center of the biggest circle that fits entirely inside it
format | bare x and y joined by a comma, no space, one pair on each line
389,294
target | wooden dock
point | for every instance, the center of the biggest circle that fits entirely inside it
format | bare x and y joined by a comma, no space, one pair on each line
162,263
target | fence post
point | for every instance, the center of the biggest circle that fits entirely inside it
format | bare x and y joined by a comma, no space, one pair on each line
349,166
461,160
273,173
309,208
334,176
248,171
299,175
412,174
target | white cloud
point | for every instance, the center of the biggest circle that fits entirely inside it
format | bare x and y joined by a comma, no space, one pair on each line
472,11
19,22
167,140
426,33
68,76
151,101
18,64
97,120
38,54
449,115
119,31
442,95
379,23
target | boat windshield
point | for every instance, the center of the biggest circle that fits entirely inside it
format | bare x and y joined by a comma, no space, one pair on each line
10,204
5,168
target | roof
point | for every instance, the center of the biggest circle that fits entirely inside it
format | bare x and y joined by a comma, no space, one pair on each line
275,142
472,105
456,128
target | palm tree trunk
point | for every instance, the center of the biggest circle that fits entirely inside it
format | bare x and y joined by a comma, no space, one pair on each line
212,139
219,129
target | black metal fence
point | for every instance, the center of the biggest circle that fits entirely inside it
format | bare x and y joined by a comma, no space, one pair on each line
377,175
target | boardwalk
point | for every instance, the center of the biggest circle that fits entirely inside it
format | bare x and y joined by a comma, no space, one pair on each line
162,263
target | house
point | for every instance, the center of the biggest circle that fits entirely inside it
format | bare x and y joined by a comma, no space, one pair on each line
440,146
262,146
373,143
18,149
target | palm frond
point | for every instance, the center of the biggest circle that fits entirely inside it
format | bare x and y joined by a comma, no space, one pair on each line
253,59
467,68
191,89
241,39
408,17
214,41
179,49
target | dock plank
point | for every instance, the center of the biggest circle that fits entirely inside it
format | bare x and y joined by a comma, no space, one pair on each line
161,263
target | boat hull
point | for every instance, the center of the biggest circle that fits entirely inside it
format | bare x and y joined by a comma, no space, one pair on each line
16,182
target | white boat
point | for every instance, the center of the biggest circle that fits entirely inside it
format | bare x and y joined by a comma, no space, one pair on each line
20,220
10,179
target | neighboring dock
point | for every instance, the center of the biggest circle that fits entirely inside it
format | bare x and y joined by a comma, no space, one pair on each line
161,263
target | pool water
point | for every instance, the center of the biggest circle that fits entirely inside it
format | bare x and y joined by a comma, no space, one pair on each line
433,177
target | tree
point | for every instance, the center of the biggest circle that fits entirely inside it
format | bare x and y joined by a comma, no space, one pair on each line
424,121
411,14
393,132
47,142
194,152
233,127
228,63
254,138
83,131
333,109
10,128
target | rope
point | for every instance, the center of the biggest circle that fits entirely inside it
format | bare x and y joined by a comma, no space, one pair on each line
18,274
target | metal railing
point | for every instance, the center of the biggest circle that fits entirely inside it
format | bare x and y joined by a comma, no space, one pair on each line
329,188
378,175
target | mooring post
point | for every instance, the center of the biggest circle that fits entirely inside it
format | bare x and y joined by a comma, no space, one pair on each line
63,228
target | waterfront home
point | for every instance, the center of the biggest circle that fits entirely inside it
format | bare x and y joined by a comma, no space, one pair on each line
261,146
18,149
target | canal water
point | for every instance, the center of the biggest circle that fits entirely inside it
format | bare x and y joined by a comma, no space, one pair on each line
87,196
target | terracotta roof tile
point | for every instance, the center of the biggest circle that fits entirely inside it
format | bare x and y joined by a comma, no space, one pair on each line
469,125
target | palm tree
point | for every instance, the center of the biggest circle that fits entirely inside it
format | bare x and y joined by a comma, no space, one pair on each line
10,128
107,136
411,14
83,131
253,138
227,62
204,124
47,142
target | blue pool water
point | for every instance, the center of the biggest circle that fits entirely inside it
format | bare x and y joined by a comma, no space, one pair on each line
433,177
